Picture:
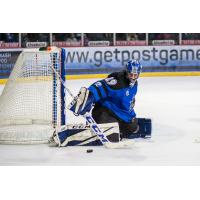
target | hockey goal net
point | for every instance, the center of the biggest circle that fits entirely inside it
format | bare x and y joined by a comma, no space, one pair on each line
32,102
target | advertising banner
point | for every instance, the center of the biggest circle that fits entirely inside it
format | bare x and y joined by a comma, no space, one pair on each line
89,60
151,57
36,44
7,61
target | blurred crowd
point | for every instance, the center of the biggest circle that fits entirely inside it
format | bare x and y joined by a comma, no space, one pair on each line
164,36
68,37
9,37
191,36
86,38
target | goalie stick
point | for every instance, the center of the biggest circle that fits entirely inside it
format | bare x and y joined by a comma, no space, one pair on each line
94,126
95,129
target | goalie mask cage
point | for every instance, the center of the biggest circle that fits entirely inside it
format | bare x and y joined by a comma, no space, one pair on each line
32,102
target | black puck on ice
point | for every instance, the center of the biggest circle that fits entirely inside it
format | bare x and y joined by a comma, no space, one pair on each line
89,150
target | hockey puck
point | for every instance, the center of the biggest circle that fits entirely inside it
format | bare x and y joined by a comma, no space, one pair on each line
89,150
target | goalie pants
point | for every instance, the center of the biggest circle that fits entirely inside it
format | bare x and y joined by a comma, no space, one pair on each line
102,115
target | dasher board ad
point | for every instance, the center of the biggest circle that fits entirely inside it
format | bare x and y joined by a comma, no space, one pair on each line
116,57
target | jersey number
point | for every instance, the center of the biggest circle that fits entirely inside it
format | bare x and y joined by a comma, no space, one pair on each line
111,81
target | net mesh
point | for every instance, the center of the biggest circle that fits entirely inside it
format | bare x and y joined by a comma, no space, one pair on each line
30,102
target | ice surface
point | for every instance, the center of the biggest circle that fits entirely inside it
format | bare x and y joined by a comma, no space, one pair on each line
173,104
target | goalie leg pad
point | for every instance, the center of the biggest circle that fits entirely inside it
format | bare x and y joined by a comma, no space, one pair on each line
94,141
84,137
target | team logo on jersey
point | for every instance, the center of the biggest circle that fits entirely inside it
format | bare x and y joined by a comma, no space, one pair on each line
98,84
111,81
127,93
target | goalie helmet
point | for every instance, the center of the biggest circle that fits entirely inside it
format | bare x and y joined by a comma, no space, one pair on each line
133,67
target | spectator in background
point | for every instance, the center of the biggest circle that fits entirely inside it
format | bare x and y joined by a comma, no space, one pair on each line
163,36
99,36
1,36
43,37
85,38
57,37
78,36
197,36
35,37
108,37
9,37
71,37
187,36
141,36
121,36
167,36
191,36
132,37
95,36
32,37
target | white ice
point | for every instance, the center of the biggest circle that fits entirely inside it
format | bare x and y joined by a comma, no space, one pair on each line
173,104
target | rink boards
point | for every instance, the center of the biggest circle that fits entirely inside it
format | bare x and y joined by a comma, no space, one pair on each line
146,74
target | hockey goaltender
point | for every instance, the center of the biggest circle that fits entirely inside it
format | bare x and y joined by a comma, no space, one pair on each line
111,103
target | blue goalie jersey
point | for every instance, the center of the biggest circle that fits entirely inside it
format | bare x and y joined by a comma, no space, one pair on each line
117,94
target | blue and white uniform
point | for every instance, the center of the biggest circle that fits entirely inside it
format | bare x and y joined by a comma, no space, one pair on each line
114,99
117,94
